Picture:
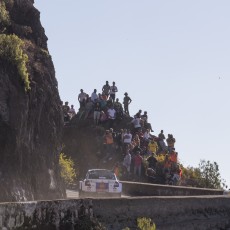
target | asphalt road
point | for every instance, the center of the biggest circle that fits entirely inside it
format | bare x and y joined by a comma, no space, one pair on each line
74,194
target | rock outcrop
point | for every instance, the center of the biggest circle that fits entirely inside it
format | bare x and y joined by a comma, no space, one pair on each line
30,118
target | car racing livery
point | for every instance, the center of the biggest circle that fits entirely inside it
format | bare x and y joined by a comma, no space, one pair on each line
100,182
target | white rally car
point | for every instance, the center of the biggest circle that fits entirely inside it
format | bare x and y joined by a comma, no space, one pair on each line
100,182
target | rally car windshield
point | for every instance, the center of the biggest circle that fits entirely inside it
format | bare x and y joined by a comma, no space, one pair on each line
101,174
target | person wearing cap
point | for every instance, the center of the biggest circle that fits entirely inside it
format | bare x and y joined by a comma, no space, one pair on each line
106,89
112,92
126,101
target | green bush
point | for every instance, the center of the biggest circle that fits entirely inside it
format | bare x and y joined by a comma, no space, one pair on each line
145,224
68,172
11,50
4,15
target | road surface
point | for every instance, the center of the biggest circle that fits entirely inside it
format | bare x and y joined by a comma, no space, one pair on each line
74,194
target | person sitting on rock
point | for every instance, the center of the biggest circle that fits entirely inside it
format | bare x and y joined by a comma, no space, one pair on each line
138,114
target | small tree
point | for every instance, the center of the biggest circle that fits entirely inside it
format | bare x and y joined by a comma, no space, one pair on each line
206,175
210,175
68,172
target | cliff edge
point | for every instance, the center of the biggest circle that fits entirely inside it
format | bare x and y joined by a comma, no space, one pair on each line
30,112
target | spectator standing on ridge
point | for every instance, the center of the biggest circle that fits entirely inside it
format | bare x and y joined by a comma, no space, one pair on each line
152,161
119,109
161,138
112,92
108,144
94,96
88,109
103,117
146,125
126,101
71,112
66,109
127,138
127,161
170,142
147,135
111,112
82,96
97,113
106,89
137,164
118,105
152,146
136,123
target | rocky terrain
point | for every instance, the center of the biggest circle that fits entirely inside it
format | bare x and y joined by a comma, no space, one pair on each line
30,112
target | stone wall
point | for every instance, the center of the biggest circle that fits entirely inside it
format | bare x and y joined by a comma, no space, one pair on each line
146,189
168,213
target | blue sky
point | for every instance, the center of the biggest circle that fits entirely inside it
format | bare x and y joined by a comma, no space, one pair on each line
172,57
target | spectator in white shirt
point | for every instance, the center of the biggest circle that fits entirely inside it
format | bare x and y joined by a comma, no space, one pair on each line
94,96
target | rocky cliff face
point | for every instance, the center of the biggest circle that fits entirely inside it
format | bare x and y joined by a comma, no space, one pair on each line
31,119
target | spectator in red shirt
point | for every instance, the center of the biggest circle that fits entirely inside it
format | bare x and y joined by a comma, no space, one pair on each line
137,164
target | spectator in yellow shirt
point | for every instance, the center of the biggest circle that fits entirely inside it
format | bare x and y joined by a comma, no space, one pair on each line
153,147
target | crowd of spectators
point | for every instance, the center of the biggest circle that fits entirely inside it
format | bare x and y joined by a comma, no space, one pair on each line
137,154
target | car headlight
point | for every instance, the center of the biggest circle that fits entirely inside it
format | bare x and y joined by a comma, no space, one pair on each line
87,183
116,184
